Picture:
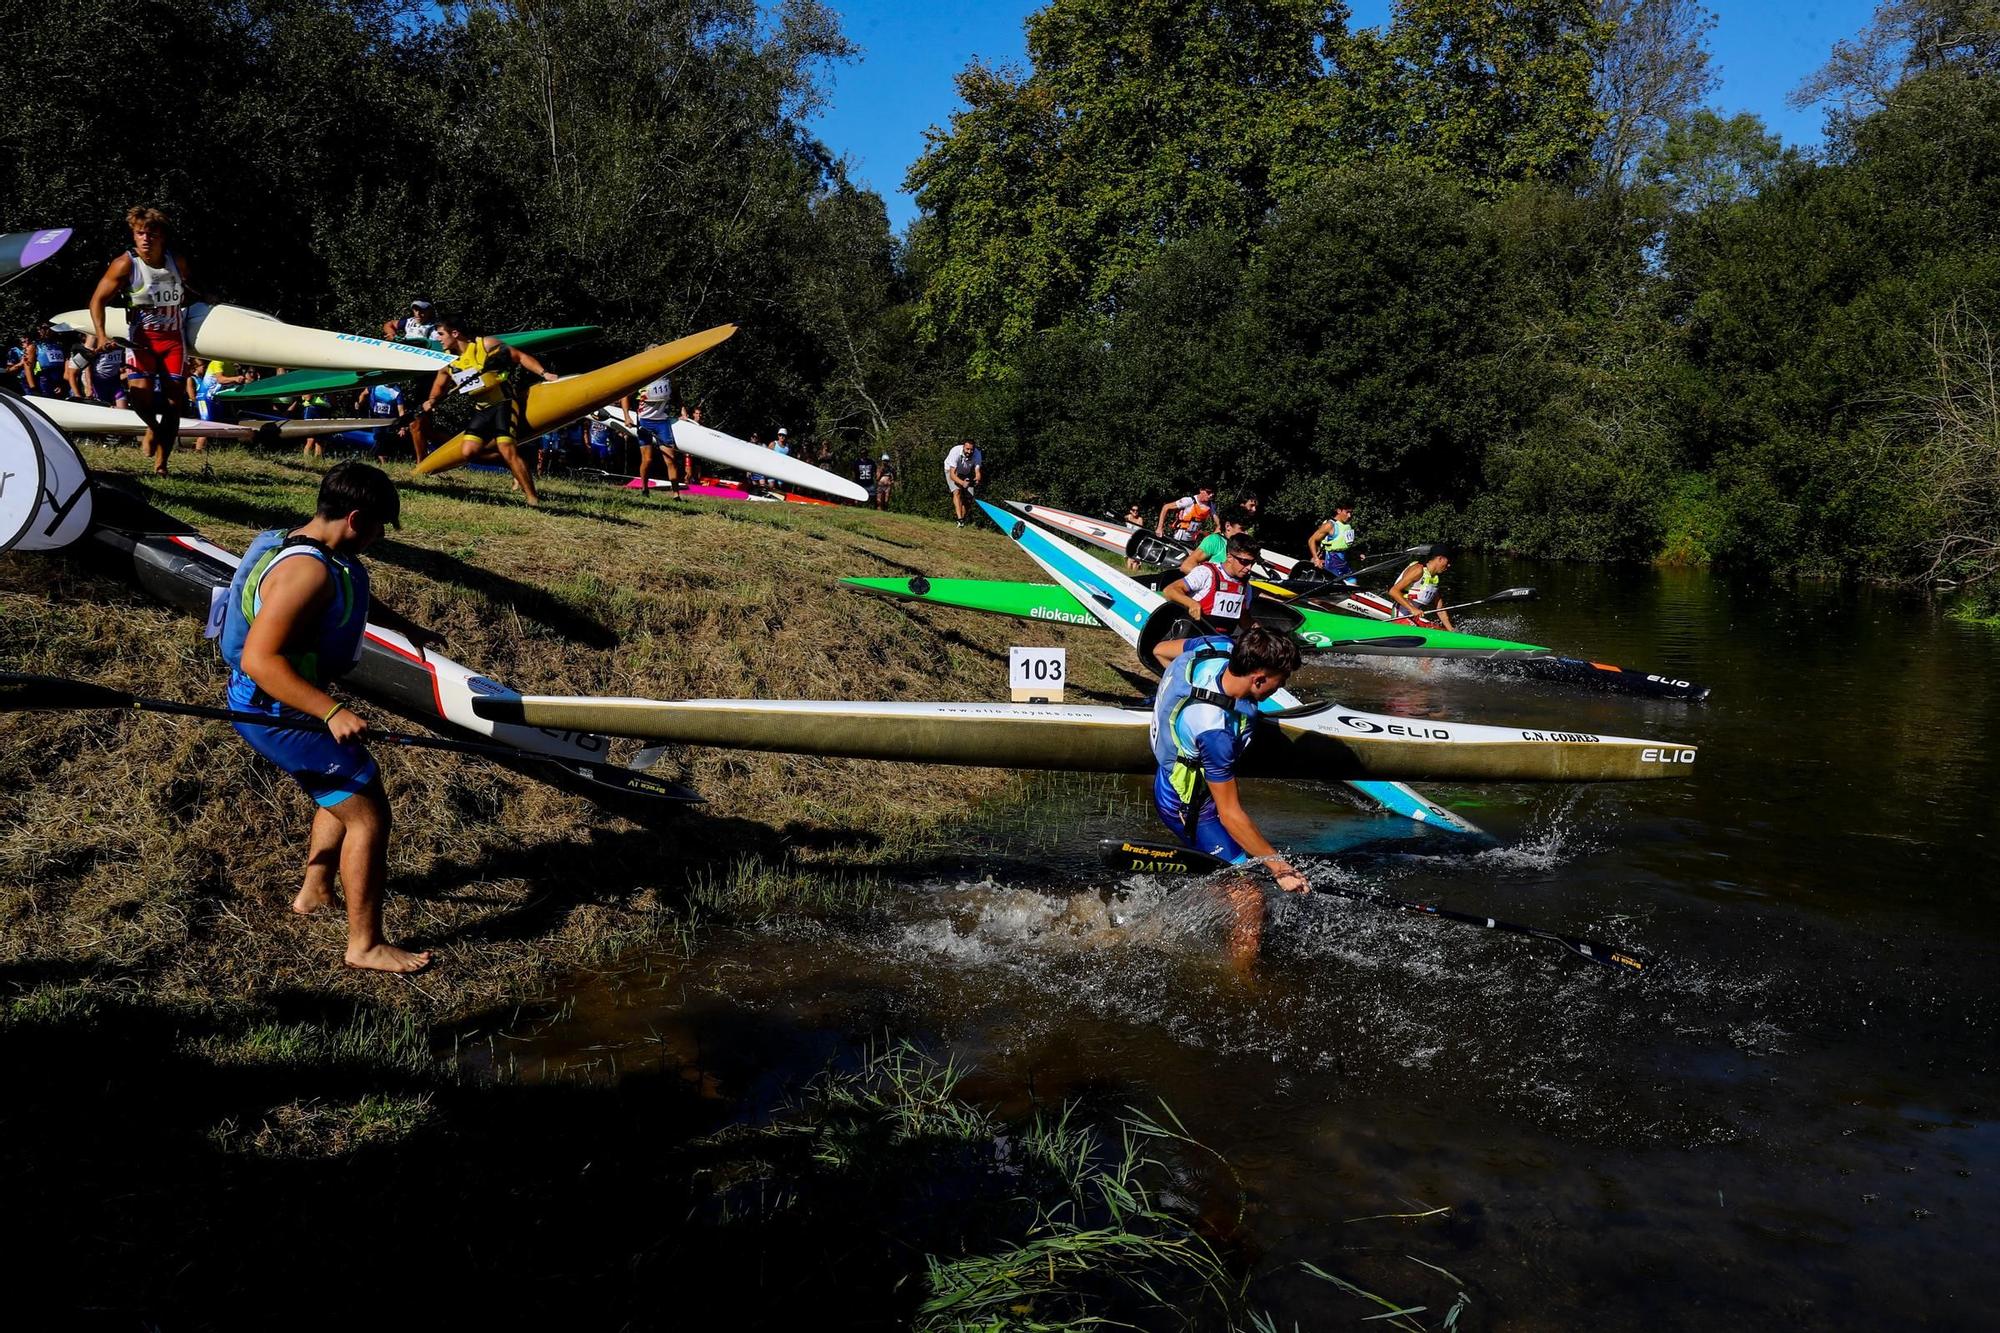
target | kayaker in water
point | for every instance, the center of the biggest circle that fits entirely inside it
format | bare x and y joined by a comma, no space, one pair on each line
1203,716
1330,543
1215,597
153,282
483,369
1416,591
293,624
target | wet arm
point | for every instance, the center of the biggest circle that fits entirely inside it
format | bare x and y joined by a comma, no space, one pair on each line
1229,809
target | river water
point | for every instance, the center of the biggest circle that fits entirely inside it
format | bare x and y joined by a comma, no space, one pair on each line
1789,1119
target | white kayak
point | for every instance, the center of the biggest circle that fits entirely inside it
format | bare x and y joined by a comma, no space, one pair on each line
235,333
1110,535
705,442
97,419
45,496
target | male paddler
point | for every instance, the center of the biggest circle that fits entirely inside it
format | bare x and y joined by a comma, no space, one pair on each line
482,369
1416,591
1203,717
1215,597
1192,514
152,281
293,623
654,429
1331,541
1214,548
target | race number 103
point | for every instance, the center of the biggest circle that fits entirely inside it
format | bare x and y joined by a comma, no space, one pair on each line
1037,668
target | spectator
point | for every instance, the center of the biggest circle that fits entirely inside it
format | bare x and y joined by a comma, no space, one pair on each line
420,325
864,473
885,481
964,473
48,363
783,443
21,361
107,375
76,374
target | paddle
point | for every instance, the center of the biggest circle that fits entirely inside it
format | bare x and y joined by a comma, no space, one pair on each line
1161,858
1504,595
25,693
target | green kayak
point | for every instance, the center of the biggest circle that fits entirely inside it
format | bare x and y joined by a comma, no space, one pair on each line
294,382
1316,631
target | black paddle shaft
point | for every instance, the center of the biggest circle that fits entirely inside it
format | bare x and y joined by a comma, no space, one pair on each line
22,693
1140,856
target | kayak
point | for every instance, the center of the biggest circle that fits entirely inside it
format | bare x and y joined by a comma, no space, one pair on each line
1126,607
1554,667
22,250
295,382
175,564
97,419
1317,631
713,446
234,333
1124,539
1024,601
45,490
1321,741
553,405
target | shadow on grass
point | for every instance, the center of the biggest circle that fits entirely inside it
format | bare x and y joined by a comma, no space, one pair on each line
544,608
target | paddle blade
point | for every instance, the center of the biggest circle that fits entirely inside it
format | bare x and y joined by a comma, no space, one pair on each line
1157,858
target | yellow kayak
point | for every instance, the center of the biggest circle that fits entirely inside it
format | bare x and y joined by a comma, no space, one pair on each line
554,405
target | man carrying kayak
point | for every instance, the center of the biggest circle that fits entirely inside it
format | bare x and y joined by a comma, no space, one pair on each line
1203,717
1215,597
1331,541
482,369
153,282
1416,591
293,623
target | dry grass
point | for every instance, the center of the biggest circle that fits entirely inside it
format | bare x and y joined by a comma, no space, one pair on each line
162,852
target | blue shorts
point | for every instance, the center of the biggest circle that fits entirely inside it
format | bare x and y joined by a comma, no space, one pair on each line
1334,563
1198,826
656,435
329,770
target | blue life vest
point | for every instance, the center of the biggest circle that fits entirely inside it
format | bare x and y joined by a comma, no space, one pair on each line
385,400
337,647
1191,703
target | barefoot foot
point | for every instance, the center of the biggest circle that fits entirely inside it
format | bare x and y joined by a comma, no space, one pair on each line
388,958
311,898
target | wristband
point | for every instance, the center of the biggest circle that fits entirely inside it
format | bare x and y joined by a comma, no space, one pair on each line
330,712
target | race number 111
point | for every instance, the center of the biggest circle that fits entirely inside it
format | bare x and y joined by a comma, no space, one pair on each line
1037,674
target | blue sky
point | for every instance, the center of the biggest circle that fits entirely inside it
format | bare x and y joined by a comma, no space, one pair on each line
912,49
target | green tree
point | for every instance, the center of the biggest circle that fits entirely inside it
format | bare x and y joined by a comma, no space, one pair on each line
1492,92
1139,124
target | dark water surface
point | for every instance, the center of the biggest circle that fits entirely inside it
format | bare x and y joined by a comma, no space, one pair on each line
1790,1120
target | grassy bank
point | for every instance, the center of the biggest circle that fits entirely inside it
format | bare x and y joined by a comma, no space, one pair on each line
165,850
218,1109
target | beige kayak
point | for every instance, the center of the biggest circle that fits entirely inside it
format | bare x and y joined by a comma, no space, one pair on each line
1325,741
